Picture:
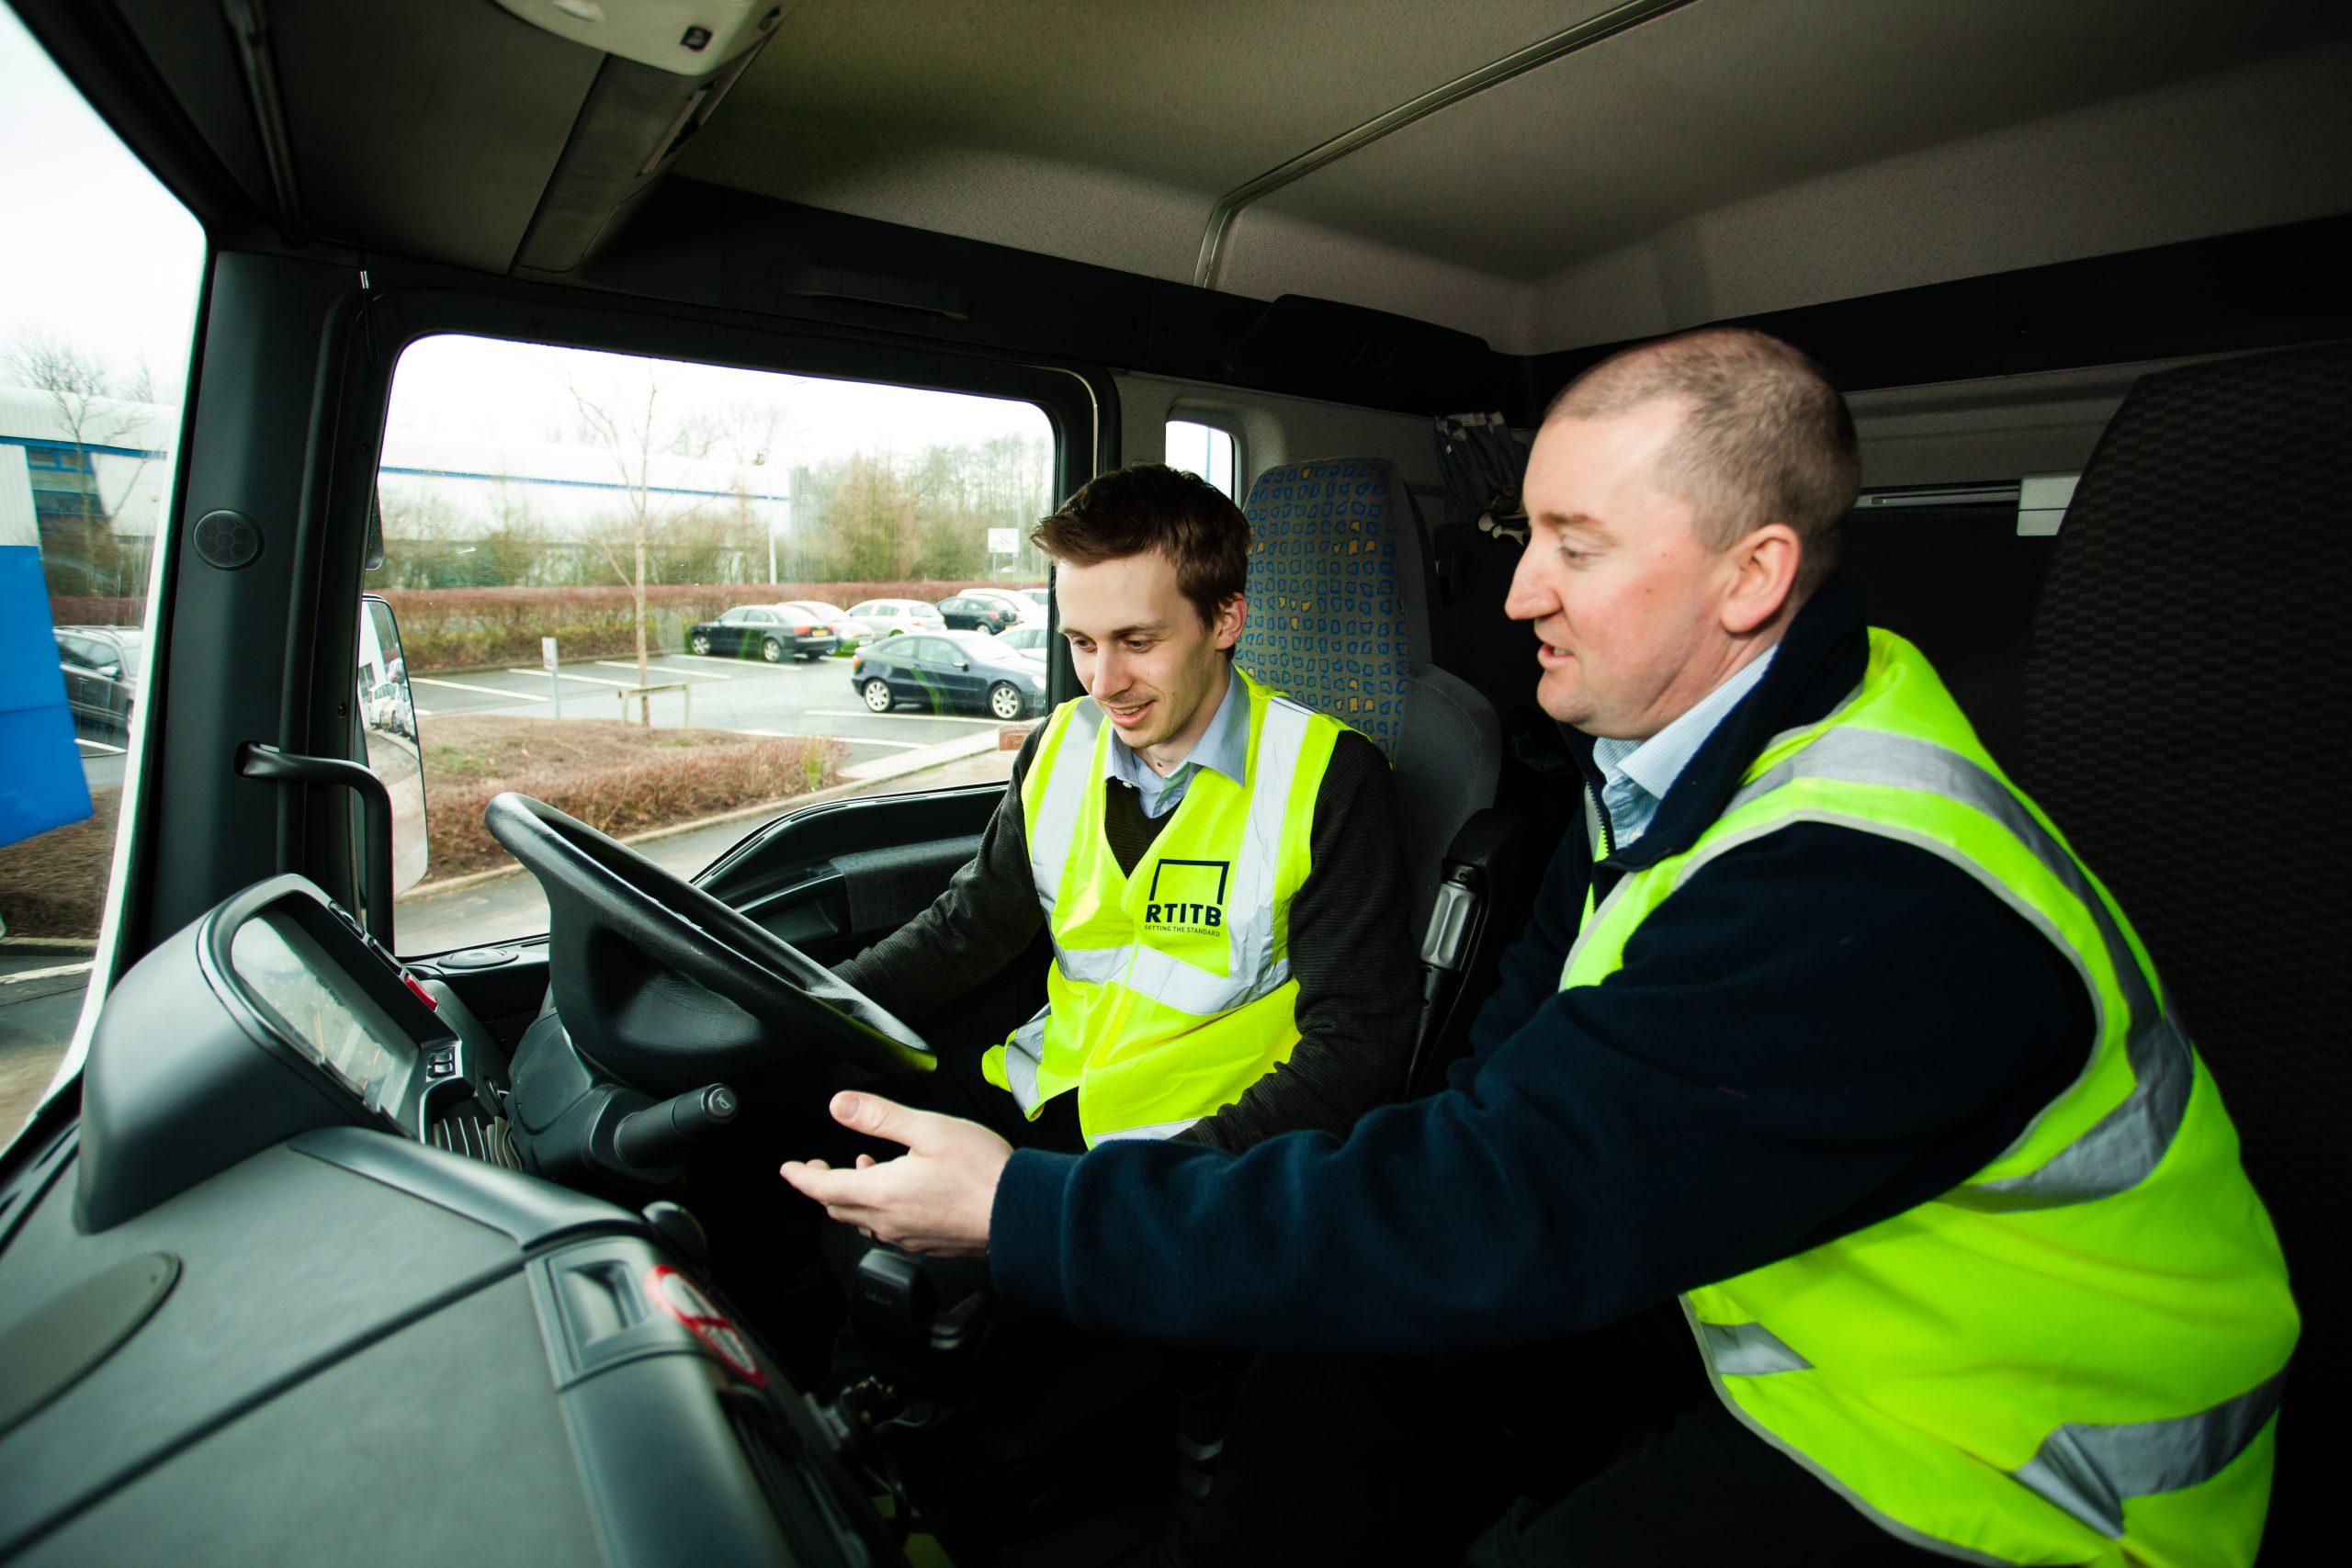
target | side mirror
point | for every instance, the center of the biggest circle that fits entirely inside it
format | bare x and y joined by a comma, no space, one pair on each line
111,672
371,550
386,718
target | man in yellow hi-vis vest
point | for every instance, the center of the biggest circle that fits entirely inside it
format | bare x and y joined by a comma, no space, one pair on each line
1216,868
1821,1034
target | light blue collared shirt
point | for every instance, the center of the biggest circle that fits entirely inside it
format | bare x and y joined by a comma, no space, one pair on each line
1637,774
1224,746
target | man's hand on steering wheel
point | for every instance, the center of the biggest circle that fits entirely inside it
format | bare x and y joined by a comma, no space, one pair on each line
936,1199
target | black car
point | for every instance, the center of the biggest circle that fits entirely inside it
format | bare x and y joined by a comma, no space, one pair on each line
969,612
102,666
944,669
764,631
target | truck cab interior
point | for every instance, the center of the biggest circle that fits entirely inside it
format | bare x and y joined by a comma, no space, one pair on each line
326,1242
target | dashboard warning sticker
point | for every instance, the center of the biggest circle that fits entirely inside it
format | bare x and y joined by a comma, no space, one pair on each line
684,1300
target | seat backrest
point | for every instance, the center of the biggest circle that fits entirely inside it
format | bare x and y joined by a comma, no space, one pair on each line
1339,618
2181,693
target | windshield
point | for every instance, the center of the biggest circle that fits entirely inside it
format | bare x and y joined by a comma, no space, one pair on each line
598,611
98,286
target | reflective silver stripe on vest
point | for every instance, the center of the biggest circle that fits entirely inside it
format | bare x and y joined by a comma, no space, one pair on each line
1024,1053
1065,798
2123,1147
1747,1349
1156,1131
2091,1470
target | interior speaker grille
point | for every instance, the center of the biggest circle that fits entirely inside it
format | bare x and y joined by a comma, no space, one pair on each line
227,540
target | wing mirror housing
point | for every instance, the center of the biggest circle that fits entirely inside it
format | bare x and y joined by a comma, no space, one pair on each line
385,718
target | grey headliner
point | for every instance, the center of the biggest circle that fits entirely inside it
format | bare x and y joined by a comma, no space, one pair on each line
1675,173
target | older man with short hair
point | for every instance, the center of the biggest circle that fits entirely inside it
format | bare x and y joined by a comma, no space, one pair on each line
1821,1031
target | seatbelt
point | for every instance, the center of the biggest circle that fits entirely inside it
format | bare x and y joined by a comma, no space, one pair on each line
1452,918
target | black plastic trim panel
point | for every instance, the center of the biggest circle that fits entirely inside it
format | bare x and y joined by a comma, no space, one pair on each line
531,1211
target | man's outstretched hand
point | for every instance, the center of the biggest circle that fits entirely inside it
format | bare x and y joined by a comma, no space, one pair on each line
937,1198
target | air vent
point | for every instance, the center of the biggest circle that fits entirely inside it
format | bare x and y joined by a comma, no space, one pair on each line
485,1138
797,1491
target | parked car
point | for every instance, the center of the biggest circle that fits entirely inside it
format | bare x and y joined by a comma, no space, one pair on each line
971,612
950,670
102,666
893,617
1024,612
766,631
1041,601
849,633
1030,640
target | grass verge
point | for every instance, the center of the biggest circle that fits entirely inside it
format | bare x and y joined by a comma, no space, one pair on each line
619,778
615,778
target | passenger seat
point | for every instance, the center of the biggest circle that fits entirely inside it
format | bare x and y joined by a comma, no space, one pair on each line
1338,591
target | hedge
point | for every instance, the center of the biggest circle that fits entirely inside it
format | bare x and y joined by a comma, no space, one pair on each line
463,628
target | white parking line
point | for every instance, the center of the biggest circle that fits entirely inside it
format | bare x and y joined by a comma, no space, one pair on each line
657,669
741,666
55,972
869,713
101,747
420,713
567,675
485,691
847,740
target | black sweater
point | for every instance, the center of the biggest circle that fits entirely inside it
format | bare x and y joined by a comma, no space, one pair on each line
1359,994
1818,1031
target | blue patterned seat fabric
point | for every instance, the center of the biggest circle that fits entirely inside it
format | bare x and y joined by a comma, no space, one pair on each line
1327,610
1338,618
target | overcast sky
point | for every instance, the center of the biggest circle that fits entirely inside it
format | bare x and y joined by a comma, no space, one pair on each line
99,255
521,392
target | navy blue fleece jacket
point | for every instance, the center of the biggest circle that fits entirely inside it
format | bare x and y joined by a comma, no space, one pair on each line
1820,1030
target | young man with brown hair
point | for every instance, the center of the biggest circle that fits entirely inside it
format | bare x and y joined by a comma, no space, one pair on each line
1218,869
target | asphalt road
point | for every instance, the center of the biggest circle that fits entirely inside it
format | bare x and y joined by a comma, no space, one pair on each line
723,693
101,758
40,997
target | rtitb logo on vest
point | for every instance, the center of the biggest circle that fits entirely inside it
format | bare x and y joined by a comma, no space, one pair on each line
1187,895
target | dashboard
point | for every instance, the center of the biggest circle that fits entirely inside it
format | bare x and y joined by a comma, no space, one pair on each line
288,1288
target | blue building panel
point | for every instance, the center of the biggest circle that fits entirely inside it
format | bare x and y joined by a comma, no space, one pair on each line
41,783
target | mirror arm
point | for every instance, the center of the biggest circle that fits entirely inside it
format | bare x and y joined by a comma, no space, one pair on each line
257,761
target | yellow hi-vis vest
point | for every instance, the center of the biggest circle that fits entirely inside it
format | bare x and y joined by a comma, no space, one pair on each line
1171,989
2075,1355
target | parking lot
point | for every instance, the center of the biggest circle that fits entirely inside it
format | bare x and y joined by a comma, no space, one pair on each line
721,693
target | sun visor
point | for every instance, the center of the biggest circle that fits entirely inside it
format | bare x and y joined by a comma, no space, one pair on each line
634,123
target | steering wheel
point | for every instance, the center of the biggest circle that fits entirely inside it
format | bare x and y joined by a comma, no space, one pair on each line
666,987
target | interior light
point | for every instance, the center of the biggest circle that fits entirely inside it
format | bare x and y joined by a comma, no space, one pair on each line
585,10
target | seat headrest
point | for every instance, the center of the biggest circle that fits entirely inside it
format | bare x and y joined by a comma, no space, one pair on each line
1333,591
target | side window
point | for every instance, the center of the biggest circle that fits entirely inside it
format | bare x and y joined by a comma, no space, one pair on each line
612,502
1203,449
98,281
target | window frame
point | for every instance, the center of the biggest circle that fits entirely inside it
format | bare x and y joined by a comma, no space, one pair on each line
1228,423
409,303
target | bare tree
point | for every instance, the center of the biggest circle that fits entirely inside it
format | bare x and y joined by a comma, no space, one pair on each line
753,433
82,392
626,423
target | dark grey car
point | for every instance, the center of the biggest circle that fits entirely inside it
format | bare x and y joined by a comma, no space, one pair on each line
102,666
949,670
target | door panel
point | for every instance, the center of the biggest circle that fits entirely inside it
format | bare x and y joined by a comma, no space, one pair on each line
834,879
